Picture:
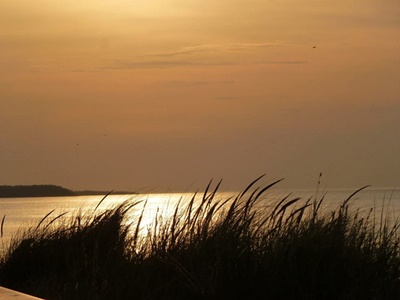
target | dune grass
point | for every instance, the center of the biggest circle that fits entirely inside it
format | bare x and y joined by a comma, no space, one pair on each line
212,249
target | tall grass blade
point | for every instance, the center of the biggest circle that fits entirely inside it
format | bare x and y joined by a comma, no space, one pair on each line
352,195
104,198
291,202
2,226
268,187
56,218
44,218
250,185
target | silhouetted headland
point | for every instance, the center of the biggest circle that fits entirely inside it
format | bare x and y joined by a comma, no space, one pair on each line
19,191
8,191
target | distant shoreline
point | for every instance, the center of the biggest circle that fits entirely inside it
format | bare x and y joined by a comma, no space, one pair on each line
47,190
99,193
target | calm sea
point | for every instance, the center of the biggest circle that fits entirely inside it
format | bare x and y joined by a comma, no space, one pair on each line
22,212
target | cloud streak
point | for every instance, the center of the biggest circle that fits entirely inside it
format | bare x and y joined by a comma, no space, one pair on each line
208,55
158,64
216,48
283,62
165,64
185,84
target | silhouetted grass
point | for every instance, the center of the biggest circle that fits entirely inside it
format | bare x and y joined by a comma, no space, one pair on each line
212,249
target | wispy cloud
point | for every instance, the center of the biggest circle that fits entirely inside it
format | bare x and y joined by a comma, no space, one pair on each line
205,55
215,48
157,64
164,64
283,62
227,98
185,84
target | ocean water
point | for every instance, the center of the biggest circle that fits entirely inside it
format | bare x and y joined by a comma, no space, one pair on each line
23,212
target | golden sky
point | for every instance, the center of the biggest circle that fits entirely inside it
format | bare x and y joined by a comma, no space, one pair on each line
98,94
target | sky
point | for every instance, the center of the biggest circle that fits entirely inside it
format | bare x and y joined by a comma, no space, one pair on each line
166,95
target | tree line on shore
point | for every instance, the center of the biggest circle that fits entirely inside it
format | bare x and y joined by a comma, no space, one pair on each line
47,190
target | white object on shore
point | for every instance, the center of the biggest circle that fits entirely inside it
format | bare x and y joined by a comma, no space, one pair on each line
7,294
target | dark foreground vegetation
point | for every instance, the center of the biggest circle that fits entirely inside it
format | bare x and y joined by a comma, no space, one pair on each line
216,249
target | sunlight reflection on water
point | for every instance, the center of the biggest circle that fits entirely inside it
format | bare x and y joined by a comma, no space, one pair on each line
23,212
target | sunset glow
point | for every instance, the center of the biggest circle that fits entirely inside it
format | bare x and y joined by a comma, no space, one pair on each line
165,95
